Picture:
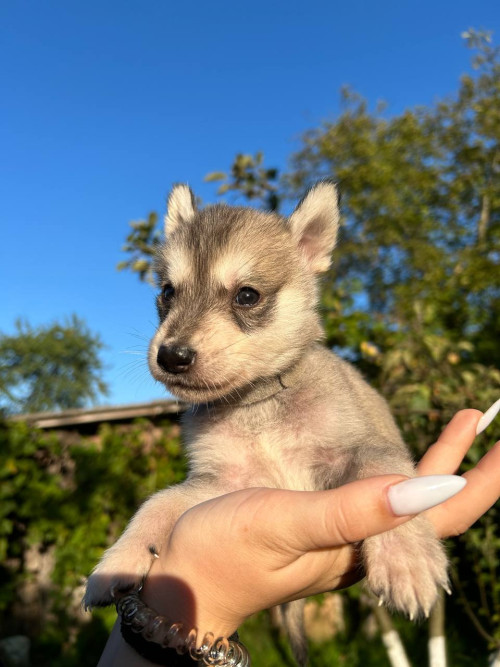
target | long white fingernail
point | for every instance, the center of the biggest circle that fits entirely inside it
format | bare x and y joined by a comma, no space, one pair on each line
488,417
420,493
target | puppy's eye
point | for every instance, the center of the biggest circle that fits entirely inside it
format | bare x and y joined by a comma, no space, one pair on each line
247,296
167,293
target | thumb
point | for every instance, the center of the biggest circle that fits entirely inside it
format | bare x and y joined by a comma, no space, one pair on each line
350,513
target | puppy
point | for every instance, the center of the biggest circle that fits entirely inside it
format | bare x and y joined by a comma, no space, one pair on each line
238,338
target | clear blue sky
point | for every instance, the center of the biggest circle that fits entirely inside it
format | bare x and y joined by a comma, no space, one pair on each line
103,105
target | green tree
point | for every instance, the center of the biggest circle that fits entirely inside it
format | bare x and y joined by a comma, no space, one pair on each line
249,178
55,366
420,247
63,499
141,245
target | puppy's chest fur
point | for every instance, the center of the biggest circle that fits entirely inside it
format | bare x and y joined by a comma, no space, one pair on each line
240,457
277,442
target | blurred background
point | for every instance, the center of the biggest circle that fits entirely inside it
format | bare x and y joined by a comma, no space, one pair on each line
104,107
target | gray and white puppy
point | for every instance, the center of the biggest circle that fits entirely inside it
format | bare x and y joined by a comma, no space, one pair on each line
238,338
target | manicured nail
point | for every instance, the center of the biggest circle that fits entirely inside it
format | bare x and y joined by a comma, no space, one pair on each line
420,493
488,417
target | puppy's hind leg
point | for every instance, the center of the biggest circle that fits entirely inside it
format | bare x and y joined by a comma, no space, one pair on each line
405,567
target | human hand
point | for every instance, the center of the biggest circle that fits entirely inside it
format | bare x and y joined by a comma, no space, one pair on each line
234,555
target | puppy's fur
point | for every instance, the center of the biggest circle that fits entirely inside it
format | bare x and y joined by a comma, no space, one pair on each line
238,338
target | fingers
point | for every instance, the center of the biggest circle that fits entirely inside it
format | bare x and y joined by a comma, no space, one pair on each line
446,455
456,515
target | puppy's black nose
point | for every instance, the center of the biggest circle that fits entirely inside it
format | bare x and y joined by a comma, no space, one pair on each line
175,358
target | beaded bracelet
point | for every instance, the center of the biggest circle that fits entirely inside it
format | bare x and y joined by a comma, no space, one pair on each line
157,630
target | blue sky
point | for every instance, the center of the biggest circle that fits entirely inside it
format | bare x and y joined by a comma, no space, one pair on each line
103,105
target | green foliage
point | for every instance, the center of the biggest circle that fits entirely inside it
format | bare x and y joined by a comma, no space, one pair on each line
50,367
67,499
250,179
141,245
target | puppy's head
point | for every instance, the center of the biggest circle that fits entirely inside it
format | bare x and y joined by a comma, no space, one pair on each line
237,301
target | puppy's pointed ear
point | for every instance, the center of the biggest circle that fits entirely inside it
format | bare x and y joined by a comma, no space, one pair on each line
314,225
181,207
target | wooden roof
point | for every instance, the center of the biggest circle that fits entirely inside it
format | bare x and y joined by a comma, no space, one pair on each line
107,413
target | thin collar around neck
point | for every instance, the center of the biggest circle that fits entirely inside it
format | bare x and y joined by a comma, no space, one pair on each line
261,391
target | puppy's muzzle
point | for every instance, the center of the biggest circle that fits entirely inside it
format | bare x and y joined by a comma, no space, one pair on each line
175,358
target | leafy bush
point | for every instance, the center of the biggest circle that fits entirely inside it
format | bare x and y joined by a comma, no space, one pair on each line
63,500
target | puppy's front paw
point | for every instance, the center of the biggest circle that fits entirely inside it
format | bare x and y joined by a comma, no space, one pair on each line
405,567
122,568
